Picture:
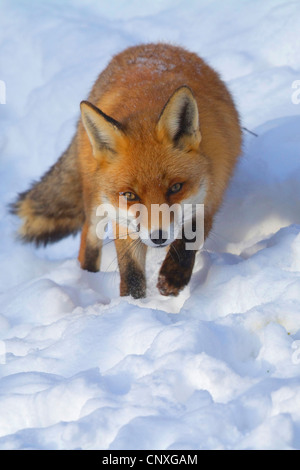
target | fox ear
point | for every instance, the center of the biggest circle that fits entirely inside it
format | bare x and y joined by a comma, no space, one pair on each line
102,130
179,120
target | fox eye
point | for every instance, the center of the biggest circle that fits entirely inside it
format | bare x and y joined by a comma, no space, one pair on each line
175,188
130,196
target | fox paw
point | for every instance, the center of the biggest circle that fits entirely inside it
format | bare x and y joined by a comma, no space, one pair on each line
167,286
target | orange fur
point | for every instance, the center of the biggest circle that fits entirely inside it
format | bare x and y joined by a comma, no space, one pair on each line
133,90
158,115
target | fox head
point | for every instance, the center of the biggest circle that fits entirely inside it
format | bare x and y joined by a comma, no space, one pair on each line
150,167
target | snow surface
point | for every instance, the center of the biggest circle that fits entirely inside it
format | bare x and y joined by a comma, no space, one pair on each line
216,368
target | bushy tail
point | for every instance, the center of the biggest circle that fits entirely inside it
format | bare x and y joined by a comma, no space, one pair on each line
53,207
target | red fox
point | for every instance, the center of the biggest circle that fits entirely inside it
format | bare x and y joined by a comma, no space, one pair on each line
159,127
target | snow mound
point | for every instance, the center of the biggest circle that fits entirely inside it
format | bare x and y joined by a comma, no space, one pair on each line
216,368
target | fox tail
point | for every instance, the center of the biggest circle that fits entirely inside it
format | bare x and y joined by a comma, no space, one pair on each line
53,207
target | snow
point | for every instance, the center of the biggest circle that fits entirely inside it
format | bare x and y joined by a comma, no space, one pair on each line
216,368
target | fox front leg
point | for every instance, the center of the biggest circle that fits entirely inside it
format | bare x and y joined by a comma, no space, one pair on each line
90,249
131,260
176,269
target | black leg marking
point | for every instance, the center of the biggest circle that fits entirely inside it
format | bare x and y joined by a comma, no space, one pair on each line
91,259
176,269
133,281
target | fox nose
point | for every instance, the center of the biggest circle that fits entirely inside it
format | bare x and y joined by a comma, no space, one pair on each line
159,237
